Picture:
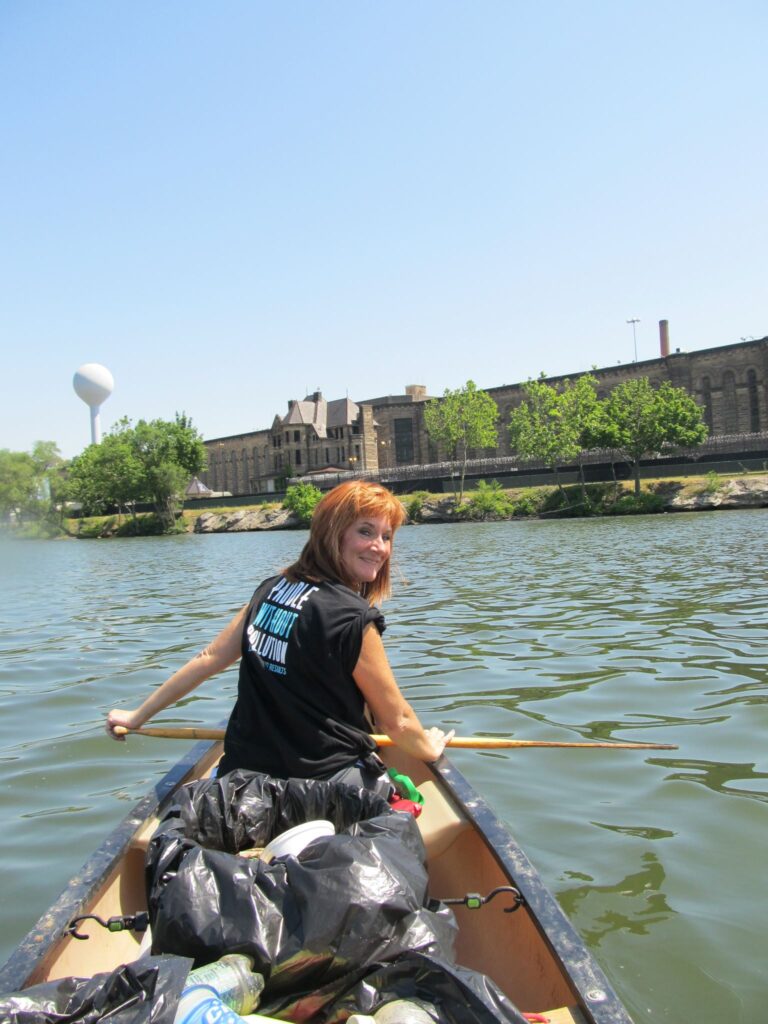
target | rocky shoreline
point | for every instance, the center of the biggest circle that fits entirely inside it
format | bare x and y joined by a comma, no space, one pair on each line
736,493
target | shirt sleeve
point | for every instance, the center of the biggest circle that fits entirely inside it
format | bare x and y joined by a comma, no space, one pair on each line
351,638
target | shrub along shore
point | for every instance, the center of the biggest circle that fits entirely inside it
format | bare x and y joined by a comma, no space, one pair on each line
488,502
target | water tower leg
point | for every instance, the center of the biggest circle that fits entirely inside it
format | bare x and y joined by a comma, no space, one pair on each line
95,424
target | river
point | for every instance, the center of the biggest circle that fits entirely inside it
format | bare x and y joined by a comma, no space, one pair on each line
649,628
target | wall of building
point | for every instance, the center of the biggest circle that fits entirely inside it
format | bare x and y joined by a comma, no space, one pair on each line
729,382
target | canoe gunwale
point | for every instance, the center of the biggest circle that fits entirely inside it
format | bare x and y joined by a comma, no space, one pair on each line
31,952
601,1003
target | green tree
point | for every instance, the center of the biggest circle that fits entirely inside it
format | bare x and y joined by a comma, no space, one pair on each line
583,410
170,454
461,420
547,424
152,461
31,483
18,482
108,473
640,420
301,498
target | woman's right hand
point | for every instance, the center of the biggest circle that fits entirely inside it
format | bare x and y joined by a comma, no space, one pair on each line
439,739
119,716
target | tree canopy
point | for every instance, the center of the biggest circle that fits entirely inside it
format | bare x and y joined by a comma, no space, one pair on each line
152,461
556,425
462,419
31,482
641,420
636,419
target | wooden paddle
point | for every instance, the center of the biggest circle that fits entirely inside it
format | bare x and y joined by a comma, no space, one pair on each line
468,742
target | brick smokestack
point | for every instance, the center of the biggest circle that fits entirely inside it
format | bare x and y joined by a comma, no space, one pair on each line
664,338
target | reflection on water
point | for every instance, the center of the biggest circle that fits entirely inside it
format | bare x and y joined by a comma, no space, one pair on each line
637,902
644,629
720,777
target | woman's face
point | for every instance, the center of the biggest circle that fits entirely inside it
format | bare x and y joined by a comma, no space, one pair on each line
365,547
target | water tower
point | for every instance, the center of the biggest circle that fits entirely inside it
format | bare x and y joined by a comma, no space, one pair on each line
93,383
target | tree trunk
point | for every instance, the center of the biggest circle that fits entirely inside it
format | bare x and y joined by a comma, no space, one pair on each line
582,482
461,478
637,478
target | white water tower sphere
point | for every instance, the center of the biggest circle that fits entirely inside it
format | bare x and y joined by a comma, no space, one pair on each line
93,383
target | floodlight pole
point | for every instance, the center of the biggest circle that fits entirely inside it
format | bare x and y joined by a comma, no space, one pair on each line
634,321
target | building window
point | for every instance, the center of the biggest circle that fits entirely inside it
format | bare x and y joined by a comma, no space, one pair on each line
730,408
298,457
297,436
403,441
754,403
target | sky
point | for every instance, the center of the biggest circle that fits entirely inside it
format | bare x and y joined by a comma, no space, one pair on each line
231,205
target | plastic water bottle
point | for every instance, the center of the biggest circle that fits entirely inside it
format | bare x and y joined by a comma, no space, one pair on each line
200,1004
232,978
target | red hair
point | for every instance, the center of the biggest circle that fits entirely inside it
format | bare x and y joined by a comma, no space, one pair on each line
334,514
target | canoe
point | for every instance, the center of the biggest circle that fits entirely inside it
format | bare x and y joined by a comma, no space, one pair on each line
534,954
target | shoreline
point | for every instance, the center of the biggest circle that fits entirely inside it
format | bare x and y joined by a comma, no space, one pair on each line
491,504
730,494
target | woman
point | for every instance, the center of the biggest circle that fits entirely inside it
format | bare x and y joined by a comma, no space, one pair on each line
312,658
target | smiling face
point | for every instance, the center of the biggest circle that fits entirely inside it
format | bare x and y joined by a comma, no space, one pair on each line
365,547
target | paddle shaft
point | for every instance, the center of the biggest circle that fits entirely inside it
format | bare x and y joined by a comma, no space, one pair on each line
468,742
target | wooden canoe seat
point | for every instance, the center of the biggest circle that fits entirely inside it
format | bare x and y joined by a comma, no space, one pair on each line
440,822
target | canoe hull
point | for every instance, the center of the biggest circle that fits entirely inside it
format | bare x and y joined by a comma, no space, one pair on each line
534,954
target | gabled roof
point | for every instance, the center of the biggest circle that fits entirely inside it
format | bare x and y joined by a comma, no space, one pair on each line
301,412
342,412
316,412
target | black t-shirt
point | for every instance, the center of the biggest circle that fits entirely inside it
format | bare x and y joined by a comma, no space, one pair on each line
299,712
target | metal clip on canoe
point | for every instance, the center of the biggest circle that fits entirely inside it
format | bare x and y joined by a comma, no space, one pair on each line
474,901
119,923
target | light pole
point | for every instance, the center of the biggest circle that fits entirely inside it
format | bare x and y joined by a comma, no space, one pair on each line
635,320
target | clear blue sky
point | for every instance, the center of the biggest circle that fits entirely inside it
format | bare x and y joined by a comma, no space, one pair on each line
230,204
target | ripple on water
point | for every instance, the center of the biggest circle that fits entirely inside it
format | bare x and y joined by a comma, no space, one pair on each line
652,628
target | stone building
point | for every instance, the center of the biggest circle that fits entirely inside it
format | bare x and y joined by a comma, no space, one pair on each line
314,436
729,382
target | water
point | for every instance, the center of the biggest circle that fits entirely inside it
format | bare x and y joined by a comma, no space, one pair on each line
642,629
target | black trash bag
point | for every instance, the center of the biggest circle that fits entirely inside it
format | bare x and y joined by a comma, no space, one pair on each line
144,992
347,901
458,995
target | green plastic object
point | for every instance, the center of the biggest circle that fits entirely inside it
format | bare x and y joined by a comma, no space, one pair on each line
405,787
